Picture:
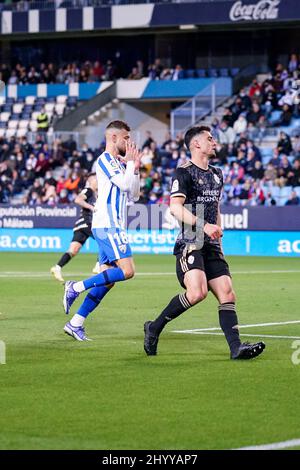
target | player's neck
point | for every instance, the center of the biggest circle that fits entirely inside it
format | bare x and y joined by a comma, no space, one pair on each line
201,161
111,149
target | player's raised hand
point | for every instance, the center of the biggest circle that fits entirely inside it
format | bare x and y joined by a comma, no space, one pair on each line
213,231
130,150
137,160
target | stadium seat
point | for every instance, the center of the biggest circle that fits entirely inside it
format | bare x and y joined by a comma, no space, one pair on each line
200,73
275,115
3,125
297,189
190,73
30,100
285,194
2,132
49,107
21,132
4,117
17,108
59,109
33,125
224,72
213,73
234,71
10,101
10,133
23,124
61,99
13,124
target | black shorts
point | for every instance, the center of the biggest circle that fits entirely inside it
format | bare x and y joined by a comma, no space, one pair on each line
209,259
81,235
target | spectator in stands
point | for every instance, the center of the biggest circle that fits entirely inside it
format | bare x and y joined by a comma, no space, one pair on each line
240,125
293,200
284,144
293,63
254,114
134,74
286,116
255,89
269,200
294,174
226,134
270,173
42,121
177,73
149,140
49,192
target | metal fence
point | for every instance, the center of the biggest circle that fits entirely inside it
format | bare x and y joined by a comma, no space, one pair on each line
50,137
195,109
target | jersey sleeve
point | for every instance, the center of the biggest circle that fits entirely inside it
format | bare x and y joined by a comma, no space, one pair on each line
180,183
108,165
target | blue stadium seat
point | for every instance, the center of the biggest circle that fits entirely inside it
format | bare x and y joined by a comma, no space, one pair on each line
189,73
200,73
297,189
285,194
224,72
275,115
213,73
234,71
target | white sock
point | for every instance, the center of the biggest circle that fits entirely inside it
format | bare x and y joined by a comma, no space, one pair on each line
77,320
78,286
58,267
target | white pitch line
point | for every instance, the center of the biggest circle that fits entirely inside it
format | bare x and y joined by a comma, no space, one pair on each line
241,326
81,274
274,446
242,334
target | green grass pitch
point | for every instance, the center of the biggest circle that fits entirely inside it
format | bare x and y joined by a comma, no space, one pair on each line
57,393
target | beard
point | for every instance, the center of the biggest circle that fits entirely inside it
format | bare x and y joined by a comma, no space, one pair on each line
122,152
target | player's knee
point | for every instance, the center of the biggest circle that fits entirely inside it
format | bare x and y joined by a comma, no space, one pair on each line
228,296
196,296
129,272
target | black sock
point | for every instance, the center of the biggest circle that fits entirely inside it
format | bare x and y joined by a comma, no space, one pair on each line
229,324
64,259
176,307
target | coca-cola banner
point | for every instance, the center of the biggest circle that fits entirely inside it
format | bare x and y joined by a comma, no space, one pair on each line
238,11
152,217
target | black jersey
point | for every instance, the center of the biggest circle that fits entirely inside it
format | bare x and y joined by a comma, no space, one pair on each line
86,215
199,187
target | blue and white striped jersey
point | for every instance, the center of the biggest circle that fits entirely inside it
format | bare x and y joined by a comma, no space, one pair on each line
116,185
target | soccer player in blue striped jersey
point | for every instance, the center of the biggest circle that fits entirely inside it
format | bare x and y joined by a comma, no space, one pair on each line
118,181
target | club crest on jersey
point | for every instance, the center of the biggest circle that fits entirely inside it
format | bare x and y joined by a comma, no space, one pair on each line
191,259
200,181
175,186
122,248
217,179
114,165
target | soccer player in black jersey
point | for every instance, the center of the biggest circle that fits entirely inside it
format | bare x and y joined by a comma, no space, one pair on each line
82,227
200,264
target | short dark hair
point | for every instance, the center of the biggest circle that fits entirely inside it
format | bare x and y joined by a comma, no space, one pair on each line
190,134
118,125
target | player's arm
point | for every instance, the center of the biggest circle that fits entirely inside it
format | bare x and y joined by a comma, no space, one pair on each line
181,213
180,188
81,200
130,180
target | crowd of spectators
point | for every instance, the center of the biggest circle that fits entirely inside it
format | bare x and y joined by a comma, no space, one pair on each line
54,174
95,71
